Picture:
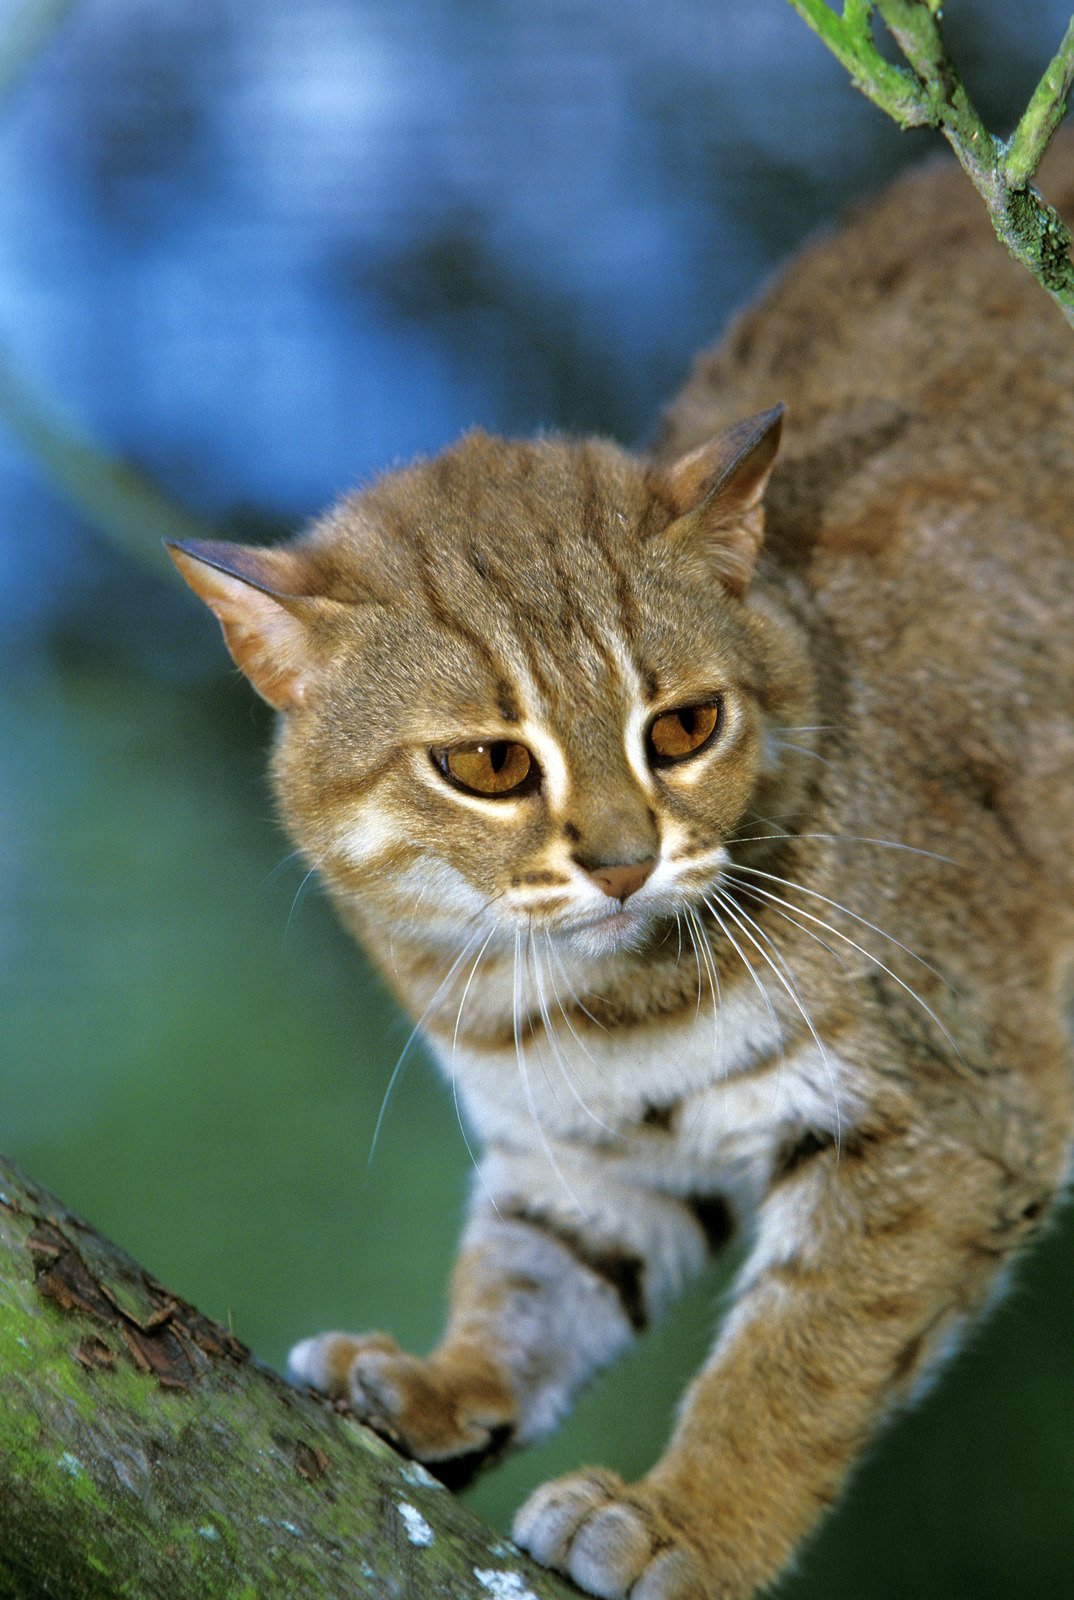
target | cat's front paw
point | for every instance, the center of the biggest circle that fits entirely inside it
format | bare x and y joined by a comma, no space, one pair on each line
451,1411
611,1538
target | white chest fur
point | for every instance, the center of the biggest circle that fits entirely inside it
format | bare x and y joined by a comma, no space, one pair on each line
692,1106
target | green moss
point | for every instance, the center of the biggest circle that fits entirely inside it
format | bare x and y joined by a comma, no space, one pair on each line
111,1483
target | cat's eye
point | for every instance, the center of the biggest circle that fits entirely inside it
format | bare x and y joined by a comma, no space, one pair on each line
494,767
676,735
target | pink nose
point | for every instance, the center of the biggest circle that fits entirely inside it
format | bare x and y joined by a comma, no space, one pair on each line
621,882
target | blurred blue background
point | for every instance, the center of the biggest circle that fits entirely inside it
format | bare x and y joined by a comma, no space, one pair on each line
256,250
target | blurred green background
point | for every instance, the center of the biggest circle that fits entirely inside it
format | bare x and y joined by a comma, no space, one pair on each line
258,249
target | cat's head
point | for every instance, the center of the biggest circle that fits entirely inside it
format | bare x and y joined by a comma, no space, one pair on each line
522,685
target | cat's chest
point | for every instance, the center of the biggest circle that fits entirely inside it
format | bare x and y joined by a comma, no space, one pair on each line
684,1105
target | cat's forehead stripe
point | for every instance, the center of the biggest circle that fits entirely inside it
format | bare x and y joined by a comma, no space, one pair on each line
568,594
448,618
573,612
532,572
594,522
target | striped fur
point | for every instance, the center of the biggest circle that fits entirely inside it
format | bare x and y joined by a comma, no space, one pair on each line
831,1016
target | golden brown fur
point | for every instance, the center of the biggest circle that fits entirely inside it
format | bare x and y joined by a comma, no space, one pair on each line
833,1012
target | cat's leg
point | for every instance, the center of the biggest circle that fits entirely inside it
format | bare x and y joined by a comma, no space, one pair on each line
551,1284
865,1262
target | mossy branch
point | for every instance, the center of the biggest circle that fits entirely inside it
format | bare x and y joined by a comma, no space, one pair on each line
928,92
1042,116
144,1452
850,39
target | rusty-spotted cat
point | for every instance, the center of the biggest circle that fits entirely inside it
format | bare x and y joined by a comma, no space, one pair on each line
717,815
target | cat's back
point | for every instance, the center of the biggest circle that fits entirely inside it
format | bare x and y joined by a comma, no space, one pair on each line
925,493
908,336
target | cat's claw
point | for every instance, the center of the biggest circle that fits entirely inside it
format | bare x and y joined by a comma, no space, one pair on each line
611,1539
439,1412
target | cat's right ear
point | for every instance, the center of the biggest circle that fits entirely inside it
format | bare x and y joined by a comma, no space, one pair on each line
716,493
261,600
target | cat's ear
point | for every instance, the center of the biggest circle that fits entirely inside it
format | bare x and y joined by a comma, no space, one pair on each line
715,496
262,600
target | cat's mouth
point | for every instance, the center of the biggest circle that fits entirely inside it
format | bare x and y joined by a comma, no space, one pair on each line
606,931
612,921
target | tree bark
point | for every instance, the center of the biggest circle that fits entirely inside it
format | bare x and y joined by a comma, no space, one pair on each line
145,1452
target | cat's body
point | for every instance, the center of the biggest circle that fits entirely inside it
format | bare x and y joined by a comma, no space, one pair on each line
803,969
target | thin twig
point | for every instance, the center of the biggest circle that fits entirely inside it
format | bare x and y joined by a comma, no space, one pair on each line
850,40
1042,116
932,93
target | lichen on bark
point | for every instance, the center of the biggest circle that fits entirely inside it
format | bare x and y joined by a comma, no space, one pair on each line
145,1453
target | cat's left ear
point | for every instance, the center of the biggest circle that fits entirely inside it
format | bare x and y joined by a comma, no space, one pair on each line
715,495
267,605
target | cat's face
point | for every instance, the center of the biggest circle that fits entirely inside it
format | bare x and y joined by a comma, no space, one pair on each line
521,689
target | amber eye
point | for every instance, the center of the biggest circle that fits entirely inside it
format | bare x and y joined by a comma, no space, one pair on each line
674,735
496,767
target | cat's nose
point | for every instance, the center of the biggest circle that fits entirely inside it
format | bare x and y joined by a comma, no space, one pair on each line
620,882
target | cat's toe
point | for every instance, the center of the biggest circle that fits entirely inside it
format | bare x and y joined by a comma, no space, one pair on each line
547,1522
610,1539
673,1574
433,1410
440,1411
325,1361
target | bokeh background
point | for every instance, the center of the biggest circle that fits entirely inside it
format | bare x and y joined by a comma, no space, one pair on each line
250,252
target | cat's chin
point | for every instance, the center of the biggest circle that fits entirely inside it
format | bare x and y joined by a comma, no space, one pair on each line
624,929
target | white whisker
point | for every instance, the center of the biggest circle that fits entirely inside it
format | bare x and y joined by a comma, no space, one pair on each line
815,894
528,959
565,975
445,980
747,888
289,857
690,919
786,977
802,750
299,896
561,1060
465,992
844,838
455,1080
562,1011
697,934
765,996
768,895
520,1057
713,977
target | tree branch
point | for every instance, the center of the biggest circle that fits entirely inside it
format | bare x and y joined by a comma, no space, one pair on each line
1042,116
935,96
850,39
145,1452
